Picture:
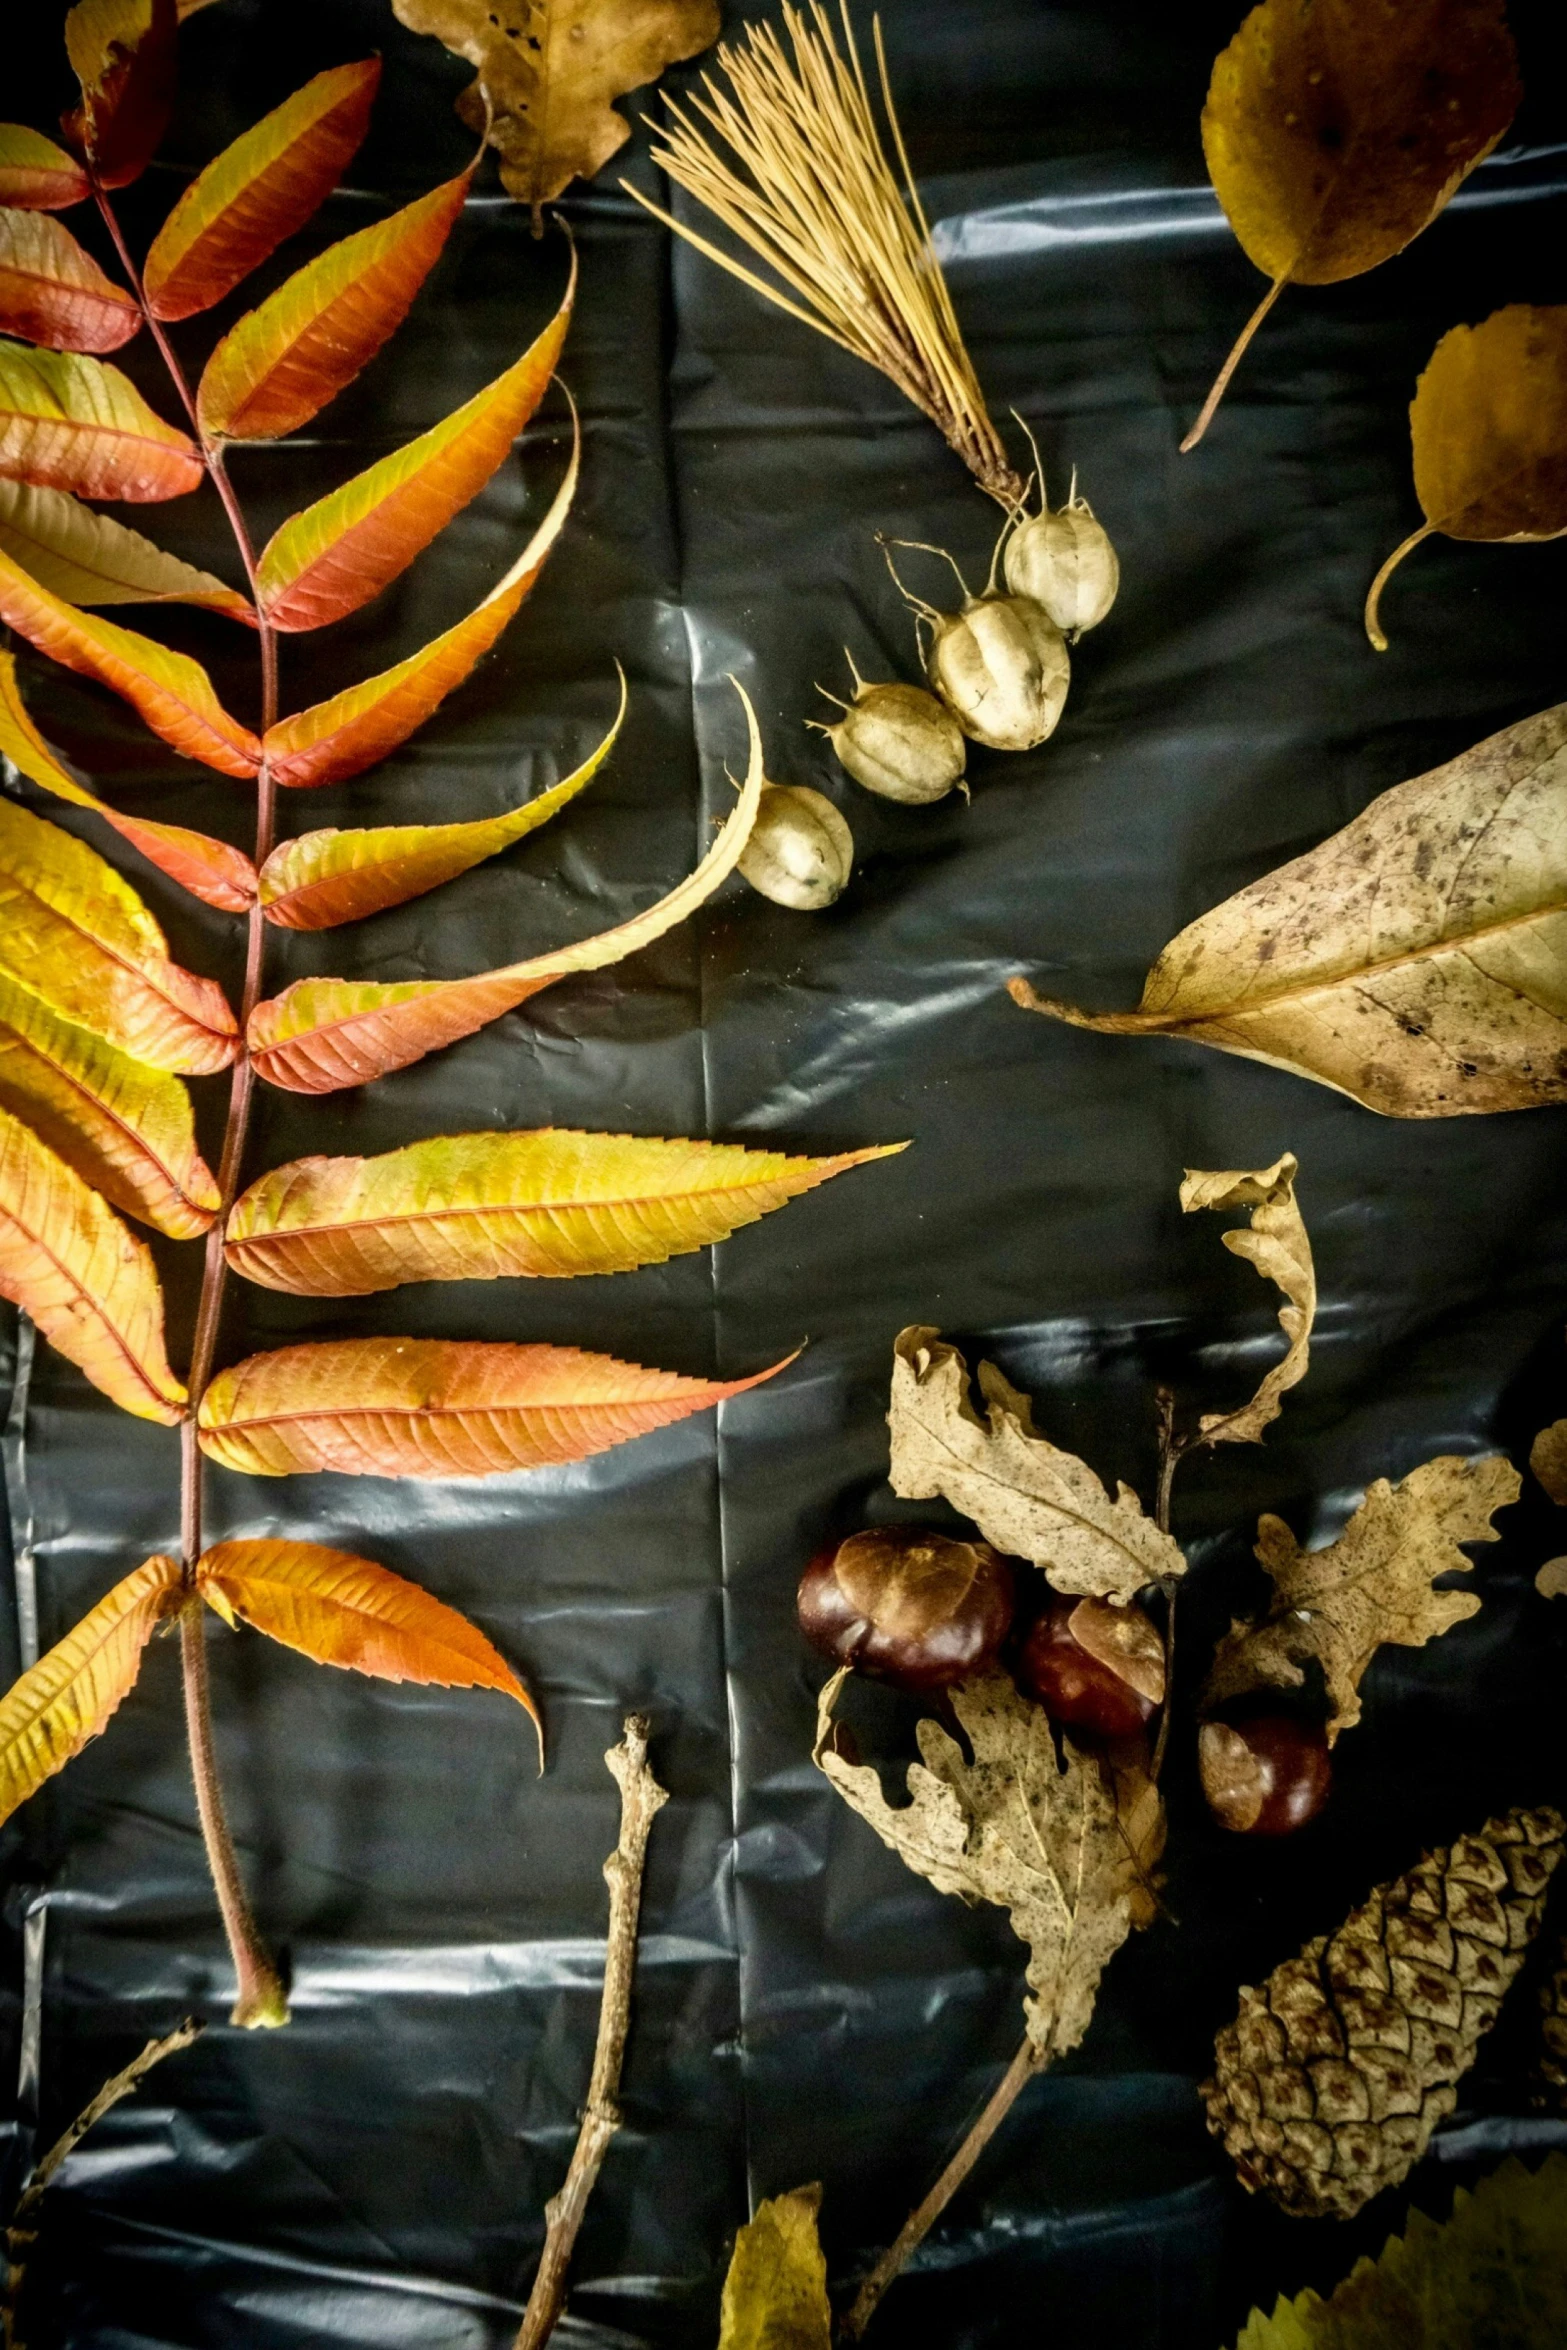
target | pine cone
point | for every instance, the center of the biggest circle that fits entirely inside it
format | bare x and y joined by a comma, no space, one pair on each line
1550,2071
1333,2075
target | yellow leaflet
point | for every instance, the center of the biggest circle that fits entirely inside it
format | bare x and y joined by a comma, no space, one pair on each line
84,557
71,423
69,1695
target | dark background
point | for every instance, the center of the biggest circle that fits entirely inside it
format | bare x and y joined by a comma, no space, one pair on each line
805,2008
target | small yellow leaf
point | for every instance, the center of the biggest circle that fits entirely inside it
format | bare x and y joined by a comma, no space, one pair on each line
775,2295
85,557
69,1695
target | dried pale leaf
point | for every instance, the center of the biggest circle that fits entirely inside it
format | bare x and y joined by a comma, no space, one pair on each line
263,187
1489,2278
549,69
1548,1460
75,934
341,737
124,56
775,2295
1142,1826
170,691
36,174
69,1695
324,878
71,423
126,1129
84,557
1012,1826
340,552
323,1034
347,1611
1411,961
1551,1581
1027,1497
68,1261
436,1407
1277,1243
283,362
1374,1585
210,869
477,1207
52,290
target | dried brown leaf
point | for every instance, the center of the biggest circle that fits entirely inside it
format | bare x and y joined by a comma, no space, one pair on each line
1548,1460
1372,1586
1027,1496
1040,1839
1277,1243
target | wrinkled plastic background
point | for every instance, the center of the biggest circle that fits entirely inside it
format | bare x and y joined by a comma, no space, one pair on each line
805,2008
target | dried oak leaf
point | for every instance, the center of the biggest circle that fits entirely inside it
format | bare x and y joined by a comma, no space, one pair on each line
548,70
1548,1460
1370,1587
1027,1496
1277,1243
1042,1840
775,2295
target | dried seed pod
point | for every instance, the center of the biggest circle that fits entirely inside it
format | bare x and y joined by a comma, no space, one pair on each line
1000,664
1064,560
898,741
908,1605
800,852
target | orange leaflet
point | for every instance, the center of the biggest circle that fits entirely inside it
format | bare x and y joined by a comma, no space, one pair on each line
74,933
126,1129
69,1695
343,550
324,878
70,423
52,290
68,1261
37,174
347,1611
84,557
173,693
123,52
210,869
333,740
437,1407
322,1034
477,1207
283,362
259,191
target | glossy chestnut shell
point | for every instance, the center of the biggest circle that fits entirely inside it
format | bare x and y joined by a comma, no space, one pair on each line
1264,1774
908,1605
1096,1669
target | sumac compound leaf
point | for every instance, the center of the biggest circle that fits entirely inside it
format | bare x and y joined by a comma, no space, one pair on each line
69,1695
124,56
322,1034
439,1407
347,1611
68,1261
1410,962
259,191
36,174
170,691
126,1129
333,740
1336,130
1276,1241
324,878
343,550
775,2295
71,423
84,557
468,1207
52,290
282,363
75,934
210,869
1489,428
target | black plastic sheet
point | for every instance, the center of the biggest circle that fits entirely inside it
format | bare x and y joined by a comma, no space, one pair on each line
805,2008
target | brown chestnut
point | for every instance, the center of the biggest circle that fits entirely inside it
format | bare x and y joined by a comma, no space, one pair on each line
1264,1774
1095,1668
908,1606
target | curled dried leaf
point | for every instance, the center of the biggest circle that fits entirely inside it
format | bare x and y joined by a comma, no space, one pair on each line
1548,1460
1277,1243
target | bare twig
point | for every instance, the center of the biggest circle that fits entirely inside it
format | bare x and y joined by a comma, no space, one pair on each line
641,1798
21,2234
1172,1450
1029,2060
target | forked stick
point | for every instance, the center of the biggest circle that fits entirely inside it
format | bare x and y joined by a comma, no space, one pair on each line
641,1798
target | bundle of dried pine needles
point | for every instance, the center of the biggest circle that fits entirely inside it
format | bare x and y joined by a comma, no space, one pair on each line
823,208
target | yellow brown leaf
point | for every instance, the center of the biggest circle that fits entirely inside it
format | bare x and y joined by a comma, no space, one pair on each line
436,1407
68,1261
68,1696
52,290
323,1034
775,2294
1276,1241
84,557
124,56
1410,961
36,174
73,423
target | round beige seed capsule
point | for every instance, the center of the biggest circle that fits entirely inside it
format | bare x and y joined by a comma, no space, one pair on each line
1001,667
800,852
1064,560
898,741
